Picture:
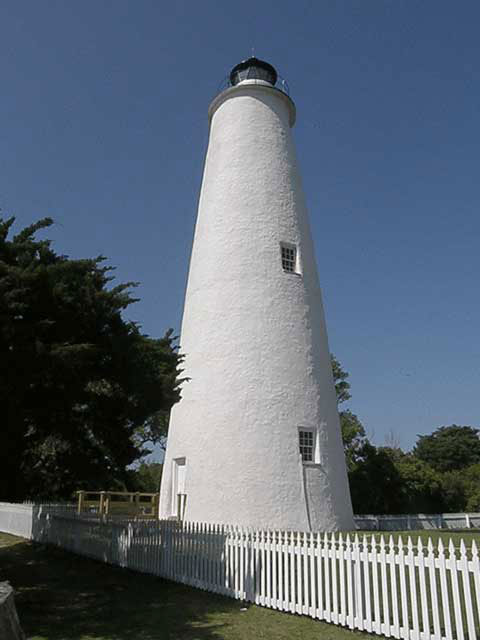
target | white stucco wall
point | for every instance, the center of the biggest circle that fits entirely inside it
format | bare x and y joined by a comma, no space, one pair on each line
254,337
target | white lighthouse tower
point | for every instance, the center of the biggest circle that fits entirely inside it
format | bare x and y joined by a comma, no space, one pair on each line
255,439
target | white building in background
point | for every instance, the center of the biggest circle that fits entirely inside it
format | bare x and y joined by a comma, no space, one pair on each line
255,440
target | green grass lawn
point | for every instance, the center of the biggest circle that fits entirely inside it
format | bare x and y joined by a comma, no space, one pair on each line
60,596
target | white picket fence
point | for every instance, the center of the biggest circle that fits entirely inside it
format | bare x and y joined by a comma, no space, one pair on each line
392,588
396,588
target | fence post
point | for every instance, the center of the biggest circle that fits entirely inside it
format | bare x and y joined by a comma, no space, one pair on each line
467,520
101,506
81,497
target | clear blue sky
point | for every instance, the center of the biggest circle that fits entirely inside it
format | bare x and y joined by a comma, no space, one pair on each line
104,126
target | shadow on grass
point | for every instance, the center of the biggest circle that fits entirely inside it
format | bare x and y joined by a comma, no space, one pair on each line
60,596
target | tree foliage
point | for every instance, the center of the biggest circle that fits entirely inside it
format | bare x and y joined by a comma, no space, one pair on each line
353,433
449,448
375,482
420,489
342,387
145,477
354,438
441,474
83,389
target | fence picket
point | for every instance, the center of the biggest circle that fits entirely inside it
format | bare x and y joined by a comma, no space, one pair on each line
215,563
423,589
350,584
286,573
206,556
466,591
430,561
196,554
305,579
358,584
320,582
377,622
366,581
293,568
326,573
261,568
404,629
213,557
452,562
299,569
236,562
382,558
444,590
281,592
242,563
186,550
268,568
252,546
342,618
227,542
273,546
413,589
224,551
313,583
395,626
475,566
220,558
333,566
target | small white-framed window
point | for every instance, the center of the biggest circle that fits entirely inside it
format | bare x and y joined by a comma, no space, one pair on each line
306,441
289,257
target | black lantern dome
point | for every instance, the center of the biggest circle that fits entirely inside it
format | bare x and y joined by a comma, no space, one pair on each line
253,69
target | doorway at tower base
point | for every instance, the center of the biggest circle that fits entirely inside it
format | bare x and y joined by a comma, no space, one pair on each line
179,496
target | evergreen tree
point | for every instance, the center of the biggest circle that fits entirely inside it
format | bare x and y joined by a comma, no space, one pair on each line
83,389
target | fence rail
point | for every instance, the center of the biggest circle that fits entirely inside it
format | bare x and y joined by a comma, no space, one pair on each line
16,519
409,522
396,588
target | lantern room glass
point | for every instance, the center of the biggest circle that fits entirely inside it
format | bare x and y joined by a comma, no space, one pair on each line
253,69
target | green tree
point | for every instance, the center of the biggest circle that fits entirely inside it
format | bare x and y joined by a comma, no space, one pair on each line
461,489
342,387
472,487
420,488
145,477
375,483
83,389
449,448
373,478
354,438
353,433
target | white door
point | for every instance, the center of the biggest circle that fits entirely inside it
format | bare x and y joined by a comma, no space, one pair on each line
178,493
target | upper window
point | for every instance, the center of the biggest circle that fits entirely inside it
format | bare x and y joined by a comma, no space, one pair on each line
307,444
289,257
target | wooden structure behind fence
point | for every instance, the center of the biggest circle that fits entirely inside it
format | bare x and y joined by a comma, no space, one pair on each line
118,503
401,589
